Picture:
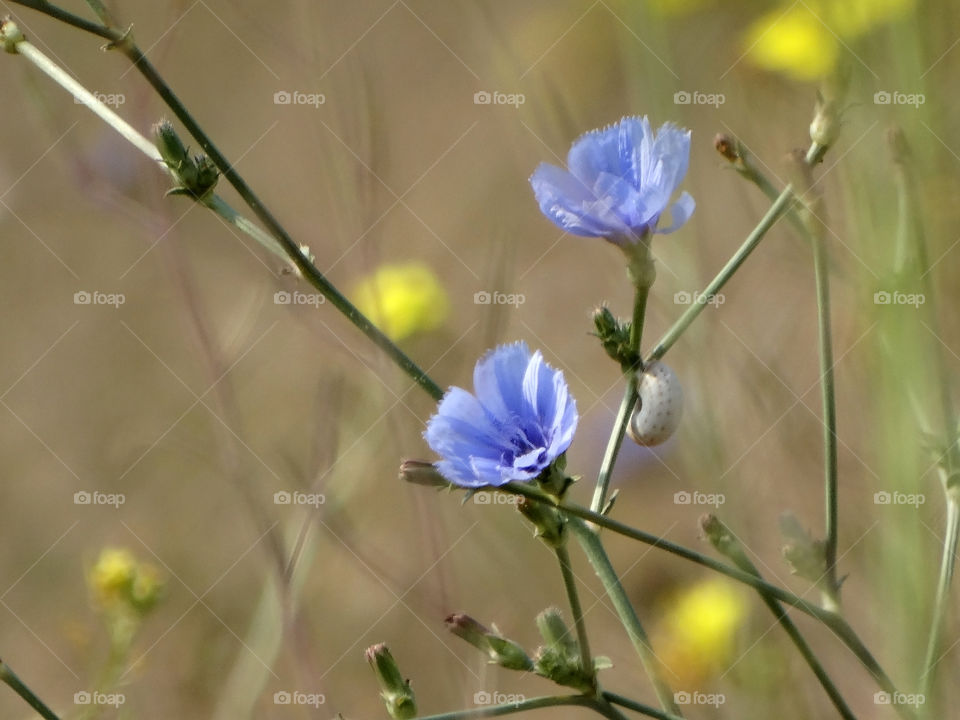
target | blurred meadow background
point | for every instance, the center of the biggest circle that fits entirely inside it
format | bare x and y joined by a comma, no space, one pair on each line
203,394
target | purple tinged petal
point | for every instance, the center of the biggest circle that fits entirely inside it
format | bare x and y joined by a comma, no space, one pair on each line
680,212
595,152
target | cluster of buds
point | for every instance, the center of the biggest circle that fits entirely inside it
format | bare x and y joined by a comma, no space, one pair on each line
120,583
614,336
196,176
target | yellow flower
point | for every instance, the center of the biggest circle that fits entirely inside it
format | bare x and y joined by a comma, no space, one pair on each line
805,40
112,575
119,582
403,299
696,638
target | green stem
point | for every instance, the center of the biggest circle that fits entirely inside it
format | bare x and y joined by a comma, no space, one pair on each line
124,42
776,210
570,585
597,556
733,549
18,686
947,564
828,393
517,707
831,620
636,706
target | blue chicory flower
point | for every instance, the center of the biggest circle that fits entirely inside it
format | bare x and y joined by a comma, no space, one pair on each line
620,181
520,419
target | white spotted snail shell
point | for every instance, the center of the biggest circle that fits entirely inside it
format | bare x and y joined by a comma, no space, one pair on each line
659,406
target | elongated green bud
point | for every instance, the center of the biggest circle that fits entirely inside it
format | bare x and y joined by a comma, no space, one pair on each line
395,690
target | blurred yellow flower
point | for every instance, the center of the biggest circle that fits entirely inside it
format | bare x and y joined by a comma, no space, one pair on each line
403,299
118,582
805,40
696,638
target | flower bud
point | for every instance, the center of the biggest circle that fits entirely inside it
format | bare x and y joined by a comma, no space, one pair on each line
10,35
502,652
396,692
559,658
614,337
419,472
726,146
195,176
547,521
805,555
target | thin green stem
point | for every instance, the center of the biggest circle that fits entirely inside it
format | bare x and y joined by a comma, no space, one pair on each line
517,707
730,546
18,686
597,556
573,595
124,42
775,212
637,707
828,395
947,565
